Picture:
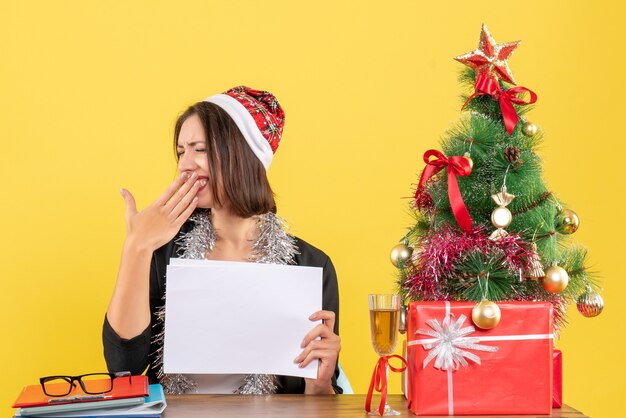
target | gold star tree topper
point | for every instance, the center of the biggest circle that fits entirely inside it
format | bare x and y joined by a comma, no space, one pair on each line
489,59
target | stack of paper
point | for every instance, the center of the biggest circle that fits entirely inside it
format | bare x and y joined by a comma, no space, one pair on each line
136,400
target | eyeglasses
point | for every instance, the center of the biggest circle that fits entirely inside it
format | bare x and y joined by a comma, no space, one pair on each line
91,383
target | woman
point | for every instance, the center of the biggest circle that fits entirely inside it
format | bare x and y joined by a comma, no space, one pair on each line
220,207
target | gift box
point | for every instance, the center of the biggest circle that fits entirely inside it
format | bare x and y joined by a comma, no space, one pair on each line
455,368
557,384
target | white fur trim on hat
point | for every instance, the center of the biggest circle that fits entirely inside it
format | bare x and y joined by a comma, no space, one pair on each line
246,124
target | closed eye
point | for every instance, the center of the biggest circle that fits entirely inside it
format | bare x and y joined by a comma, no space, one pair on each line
179,153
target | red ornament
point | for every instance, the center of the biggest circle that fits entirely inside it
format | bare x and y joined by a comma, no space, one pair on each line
489,59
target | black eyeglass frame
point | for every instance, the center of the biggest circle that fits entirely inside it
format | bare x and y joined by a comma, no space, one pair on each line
79,379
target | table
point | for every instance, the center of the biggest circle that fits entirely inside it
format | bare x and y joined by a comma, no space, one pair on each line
300,406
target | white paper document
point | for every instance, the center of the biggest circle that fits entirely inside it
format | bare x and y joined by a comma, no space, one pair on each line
226,317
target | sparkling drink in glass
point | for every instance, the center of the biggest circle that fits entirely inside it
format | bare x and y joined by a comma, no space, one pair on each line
384,323
384,326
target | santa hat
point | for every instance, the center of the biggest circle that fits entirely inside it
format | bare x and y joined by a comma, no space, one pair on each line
258,116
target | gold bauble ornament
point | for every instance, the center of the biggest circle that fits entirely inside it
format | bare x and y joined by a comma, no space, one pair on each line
555,280
529,129
400,254
567,221
501,217
486,315
590,303
468,157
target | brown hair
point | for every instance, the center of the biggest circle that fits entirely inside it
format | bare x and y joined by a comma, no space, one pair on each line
245,181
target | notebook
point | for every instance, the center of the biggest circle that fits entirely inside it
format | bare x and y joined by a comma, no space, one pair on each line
35,411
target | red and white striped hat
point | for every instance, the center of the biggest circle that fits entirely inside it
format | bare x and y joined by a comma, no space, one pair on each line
258,116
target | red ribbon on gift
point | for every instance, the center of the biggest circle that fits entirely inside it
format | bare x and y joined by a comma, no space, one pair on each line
379,381
490,86
457,166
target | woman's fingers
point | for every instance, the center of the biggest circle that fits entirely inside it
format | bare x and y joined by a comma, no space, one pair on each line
321,331
179,194
328,317
186,200
325,349
326,344
129,200
326,356
187,212
158,223
171,189
330,341
325,329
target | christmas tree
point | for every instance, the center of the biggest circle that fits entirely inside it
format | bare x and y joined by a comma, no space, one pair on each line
487,228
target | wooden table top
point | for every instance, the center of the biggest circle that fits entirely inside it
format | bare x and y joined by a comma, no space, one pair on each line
301,406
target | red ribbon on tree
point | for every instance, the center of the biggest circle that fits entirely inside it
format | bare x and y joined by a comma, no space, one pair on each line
490,86
379,381
457,166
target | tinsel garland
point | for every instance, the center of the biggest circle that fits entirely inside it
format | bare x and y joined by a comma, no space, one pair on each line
439,253
273,245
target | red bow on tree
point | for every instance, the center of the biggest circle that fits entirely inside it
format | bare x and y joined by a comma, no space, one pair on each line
379,381
490,86
457,166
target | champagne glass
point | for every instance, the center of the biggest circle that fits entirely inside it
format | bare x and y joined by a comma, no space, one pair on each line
384,322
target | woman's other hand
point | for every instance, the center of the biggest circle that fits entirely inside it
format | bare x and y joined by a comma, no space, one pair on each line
326,350
158,223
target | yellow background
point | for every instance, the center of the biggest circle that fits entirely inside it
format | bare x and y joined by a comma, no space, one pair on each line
89,92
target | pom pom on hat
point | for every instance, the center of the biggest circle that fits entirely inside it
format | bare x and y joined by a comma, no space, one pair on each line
258,116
